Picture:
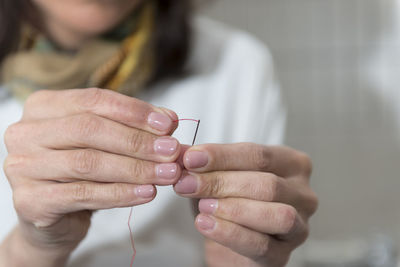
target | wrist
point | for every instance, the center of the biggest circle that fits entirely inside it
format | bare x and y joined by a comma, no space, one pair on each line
17,251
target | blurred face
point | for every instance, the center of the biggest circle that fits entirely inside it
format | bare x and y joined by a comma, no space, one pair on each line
80,19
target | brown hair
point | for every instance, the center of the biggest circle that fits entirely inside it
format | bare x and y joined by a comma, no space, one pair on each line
171,38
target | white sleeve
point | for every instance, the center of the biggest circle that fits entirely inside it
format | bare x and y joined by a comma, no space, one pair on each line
251,101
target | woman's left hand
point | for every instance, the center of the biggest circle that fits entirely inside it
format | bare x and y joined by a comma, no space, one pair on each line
255,201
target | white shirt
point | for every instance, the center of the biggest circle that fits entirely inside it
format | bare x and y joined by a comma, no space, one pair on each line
233,90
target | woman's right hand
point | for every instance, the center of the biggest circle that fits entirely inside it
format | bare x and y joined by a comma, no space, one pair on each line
76,151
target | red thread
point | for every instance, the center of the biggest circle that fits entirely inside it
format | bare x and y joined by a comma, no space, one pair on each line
186,120
131,211
131,236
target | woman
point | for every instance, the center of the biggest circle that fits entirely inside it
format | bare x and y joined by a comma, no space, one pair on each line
78,151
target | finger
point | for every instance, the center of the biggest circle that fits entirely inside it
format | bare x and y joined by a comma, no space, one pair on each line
265,217
91,131
106,103
53,200
251,244
91,165
238,184
217,253
225,257
282,161
184,148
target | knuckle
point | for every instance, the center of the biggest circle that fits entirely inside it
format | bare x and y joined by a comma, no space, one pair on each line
35,99
269,189
214,186
287,217
265,215
82,193
87,125
138,170
235,211
12,134
231,231
119,195
135,141
13,164
84,162
262,247
216,158
273,187
92,98
261,157
249,188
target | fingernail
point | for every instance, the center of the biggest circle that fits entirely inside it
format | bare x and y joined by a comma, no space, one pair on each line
165,146
208,206
171,114
145,191
196,159
205,222
167,171
186,185
159,121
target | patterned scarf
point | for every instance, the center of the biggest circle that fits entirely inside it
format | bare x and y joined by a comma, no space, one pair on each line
122,64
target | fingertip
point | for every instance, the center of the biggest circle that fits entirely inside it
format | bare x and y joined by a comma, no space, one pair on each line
205,223
170,113
167,147
174,119
187,185
160,122
183,149
208,206
194,158
168,173
146,191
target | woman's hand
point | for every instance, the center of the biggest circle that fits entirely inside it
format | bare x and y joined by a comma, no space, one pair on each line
255,201
76,151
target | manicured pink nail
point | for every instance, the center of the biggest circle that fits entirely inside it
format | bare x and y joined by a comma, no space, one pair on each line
186,185
205,222
208,206
165,146
159,121
167,171
196,159
145,191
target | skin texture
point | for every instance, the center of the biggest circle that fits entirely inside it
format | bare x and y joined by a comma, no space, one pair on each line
255,202
76,151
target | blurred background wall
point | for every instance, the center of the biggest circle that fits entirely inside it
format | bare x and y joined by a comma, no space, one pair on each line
339,66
